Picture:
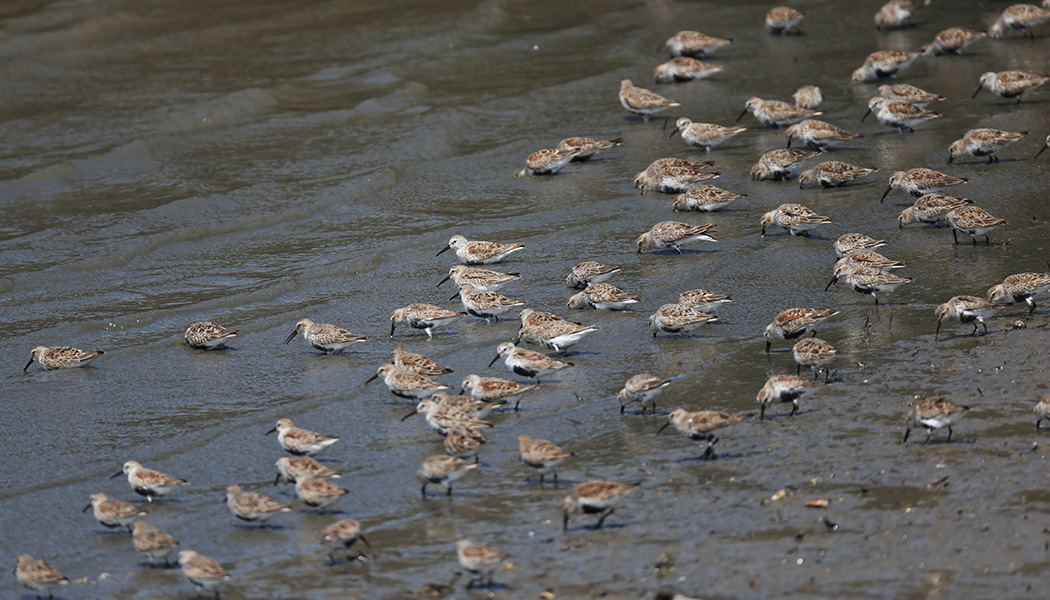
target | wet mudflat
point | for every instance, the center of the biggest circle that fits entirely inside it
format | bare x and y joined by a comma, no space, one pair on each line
256,164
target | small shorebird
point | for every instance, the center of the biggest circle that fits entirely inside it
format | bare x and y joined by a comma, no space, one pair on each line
205,335
793,323
883,64
423,316
813,353
795,218
594,497
251,506
974,221
153,543
693,44
921,181
585,149
832,173
783,20
147,482
983,142
300,442
480,559
641,101
818,134
479,252
38,576
482,279
1021,17
783,388
684,68
952,41
966,309
933,413
204,572
444,471
669,234
113,513
676,318
543,455
406,383
590,272
325,337
776,113
342,534
701,425
1021,287
704,135
642,388
898,13
61,357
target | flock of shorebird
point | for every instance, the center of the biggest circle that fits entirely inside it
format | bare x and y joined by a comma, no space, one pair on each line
459,418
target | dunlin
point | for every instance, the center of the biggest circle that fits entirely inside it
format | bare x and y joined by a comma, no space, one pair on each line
705,198
673,175
704,135
776,113
325,337
931,209
1010,84
446,418
694,44
795,218
594,497
701,425
205,335
783,20
113,513
589,272
403,359
147,482
641,101
669,234
423,316
602,296
483,279
204,572
883,64
866,280
527,316
300,442
251,506
486,305
868,258
793,323
1042,411
813,353
683,68
406,383
898,13
584,149
480,559
899,115
556,336
61,357
974,221
342,534
808,96
1021,17
444,471
642,388
543,455
782,388
933,413
832,173
677,318
851,242
703,300
1021,287
983,142
151,542
818,134
966,309
526,362
782,164
547,161
494,388
468,404
903,92
463,443
38,576
318,492
478,252
953,41
918,182
291,468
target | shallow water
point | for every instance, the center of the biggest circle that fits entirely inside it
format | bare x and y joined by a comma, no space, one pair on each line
254,164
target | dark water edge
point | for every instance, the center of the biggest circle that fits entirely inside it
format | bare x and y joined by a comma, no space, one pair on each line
253,164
